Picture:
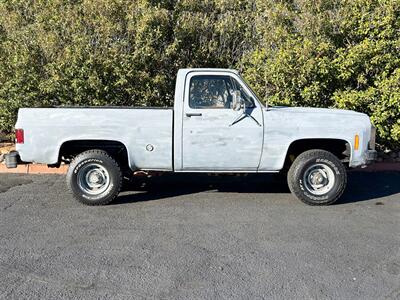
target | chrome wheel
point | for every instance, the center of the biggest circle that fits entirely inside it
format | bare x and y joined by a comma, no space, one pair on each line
319,179
93,179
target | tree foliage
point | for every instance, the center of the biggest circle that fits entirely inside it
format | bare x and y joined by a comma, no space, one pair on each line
325,53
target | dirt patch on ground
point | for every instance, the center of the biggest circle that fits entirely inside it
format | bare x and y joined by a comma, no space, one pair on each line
6,147
16,180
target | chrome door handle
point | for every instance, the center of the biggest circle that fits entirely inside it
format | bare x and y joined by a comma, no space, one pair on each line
193,114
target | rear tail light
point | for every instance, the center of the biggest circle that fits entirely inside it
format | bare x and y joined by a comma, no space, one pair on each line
19,136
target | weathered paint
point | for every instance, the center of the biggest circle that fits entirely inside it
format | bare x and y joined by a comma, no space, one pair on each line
284,125
206,143
46,129
210,141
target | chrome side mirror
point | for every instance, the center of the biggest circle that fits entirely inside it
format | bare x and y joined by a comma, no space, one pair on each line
237,101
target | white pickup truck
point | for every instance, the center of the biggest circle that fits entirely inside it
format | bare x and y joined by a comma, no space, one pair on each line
217,125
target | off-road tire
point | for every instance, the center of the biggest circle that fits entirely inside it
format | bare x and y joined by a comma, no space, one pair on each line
103,159
306,159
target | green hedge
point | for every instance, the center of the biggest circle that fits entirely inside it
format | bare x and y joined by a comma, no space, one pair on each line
342,53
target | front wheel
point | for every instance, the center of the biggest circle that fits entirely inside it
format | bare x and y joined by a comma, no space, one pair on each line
94,177
317,177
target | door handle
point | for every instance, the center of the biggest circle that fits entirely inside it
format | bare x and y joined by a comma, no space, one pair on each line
193,115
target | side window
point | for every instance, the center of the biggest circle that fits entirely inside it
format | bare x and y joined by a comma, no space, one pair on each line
210,91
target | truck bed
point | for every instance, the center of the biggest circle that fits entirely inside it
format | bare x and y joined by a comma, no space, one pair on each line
139,129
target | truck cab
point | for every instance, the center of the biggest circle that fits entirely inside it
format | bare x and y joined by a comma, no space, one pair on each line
218,122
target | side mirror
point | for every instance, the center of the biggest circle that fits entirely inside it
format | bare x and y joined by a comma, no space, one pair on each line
237,101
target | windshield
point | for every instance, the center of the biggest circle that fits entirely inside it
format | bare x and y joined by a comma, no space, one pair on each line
244,95
257,97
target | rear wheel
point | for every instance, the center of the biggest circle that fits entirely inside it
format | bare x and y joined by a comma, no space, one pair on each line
94,177
317,177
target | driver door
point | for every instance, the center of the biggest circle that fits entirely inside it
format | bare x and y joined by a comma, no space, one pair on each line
212,140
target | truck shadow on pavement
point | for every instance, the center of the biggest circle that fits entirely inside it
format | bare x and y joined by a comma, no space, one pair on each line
361,186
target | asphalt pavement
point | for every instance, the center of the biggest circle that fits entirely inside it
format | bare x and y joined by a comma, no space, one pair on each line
199,237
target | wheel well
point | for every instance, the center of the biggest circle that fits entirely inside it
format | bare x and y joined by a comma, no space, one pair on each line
339,148
117,150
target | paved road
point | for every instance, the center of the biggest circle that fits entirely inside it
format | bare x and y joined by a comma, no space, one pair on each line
200,238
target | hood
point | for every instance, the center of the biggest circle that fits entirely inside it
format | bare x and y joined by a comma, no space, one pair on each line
316,111
322,118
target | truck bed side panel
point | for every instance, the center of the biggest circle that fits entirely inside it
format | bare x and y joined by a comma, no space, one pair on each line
146,133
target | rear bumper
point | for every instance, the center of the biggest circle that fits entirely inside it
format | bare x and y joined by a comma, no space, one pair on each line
12,159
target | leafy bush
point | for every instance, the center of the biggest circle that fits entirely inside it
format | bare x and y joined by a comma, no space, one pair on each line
331,53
